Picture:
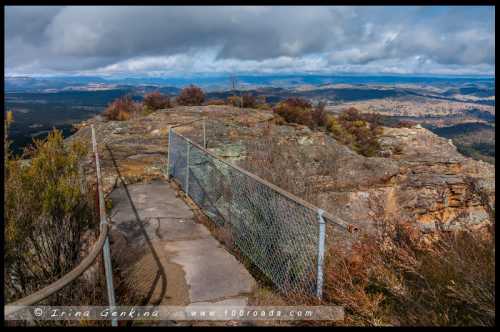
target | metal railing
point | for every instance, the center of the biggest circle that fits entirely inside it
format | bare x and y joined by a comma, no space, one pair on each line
102,244
281,234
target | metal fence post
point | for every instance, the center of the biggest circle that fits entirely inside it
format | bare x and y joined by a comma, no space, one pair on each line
105,249
204,135
321,254
169,151
187,168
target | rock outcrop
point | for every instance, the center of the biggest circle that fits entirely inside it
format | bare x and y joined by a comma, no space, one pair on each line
419,177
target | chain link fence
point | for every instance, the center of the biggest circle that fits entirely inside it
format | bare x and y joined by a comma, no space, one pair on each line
283,236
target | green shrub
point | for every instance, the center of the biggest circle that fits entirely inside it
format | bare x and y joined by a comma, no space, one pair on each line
359,131
265,106
47,209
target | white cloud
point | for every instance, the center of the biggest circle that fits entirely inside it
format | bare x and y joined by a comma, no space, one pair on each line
176,40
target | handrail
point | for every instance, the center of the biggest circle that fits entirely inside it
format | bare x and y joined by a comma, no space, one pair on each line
65,280
336,220
108,270
102,244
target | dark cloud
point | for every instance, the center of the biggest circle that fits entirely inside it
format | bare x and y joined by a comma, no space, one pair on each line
114,39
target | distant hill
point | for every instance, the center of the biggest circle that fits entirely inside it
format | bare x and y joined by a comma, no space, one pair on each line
475,140
218,82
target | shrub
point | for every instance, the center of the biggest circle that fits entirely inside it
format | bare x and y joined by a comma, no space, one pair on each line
234,101
398,149
47,210
155,101
262,104
249,101
215,102
392,277
357,130
261,100
405,124
319,115
122,109
339,131
263,107
295,110
191,96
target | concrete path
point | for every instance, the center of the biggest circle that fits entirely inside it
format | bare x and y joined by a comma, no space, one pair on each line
170,259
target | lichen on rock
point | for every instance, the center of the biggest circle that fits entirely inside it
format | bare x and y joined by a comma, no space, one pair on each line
423,179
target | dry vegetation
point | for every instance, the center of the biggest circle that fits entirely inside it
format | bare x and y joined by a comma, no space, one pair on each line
191,96
123,109
50,222
300,111
359,131
394,276
41,197
215,102
155,101
248,100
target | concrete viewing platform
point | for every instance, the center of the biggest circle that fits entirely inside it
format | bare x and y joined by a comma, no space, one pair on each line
168,257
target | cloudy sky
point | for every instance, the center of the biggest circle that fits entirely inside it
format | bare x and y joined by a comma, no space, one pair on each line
172,41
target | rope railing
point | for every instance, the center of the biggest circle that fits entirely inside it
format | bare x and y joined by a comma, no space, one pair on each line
64,281
102,244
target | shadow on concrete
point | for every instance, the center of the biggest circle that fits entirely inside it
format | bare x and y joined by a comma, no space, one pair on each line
161,276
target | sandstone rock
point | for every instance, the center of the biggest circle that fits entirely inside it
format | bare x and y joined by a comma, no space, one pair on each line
426,182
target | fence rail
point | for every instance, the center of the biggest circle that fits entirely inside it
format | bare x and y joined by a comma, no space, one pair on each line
102,244
283,235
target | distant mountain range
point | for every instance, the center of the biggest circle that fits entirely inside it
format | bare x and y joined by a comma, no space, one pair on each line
218,83
41,103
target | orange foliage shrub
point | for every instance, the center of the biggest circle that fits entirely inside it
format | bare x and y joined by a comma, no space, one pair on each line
295,110
191,96
122,109
156,101
215,102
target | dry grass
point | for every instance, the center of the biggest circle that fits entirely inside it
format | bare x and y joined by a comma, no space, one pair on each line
395,278
392,276
122,109
215,102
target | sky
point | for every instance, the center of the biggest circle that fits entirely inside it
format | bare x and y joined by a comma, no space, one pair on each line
197,40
